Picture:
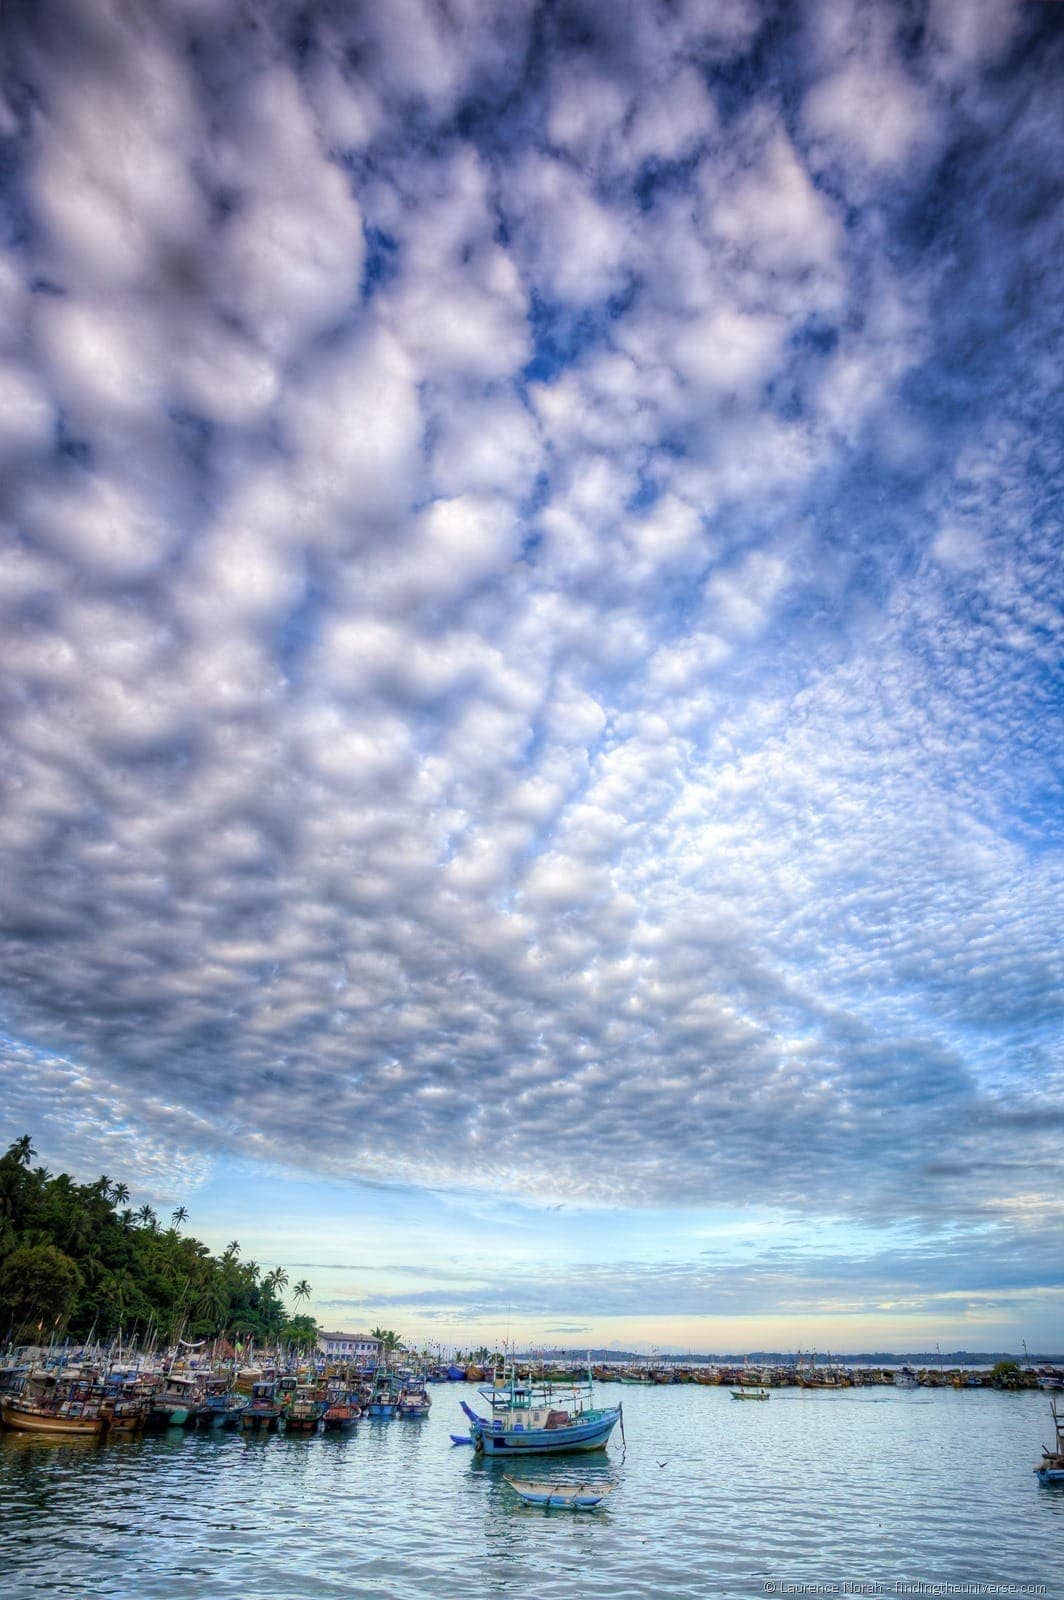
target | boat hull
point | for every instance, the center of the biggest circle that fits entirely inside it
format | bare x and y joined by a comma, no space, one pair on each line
171,1416
336,1424
260,1419
592,1434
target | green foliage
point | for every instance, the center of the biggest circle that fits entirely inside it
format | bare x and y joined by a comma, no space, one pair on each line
38,1285
391,1342
300,1331
1007,1375
77,1256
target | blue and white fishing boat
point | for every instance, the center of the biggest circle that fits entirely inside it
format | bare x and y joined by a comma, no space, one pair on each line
1051,1467
384,1401
178,1402
414,1399
534,1419
222,1405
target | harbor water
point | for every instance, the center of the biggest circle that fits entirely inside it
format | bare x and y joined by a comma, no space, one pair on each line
899,1488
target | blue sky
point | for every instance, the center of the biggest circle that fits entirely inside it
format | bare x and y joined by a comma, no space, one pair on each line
531,682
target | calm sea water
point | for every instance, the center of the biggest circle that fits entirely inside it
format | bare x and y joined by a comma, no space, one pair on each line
715,1498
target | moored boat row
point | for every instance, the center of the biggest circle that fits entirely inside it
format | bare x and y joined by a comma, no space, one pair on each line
88,1400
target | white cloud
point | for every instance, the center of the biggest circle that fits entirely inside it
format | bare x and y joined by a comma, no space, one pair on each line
477,660
291,252
574,246
873,111
27,415
100,524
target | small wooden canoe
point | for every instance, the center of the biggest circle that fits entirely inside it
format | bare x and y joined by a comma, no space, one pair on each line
568,1495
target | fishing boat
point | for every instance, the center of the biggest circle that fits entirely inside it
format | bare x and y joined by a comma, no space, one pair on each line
1051,1467
527,1418
127,1401
751,1393
222,1404
384,1398
305,1410
568,1496
56,1403
177,1403
906,1378
414,1399
263,1411
342,1409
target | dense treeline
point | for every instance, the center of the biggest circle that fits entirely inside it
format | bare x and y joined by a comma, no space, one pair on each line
76,1259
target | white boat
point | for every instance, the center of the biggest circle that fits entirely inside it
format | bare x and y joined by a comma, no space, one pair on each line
565,1495
750,1394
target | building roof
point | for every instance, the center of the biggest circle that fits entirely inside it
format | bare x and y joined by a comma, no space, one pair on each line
355,1338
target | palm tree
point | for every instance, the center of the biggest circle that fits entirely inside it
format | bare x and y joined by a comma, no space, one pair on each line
232,1250
119,1193
148,1217
277,1279
179,1216
213,1301
390,1340
23,1150
302,1290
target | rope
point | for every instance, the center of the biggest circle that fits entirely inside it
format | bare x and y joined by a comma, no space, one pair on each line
624,1441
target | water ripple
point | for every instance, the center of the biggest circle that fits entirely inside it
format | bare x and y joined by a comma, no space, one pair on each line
713,1498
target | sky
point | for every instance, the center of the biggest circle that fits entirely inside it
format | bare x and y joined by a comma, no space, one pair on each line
530,653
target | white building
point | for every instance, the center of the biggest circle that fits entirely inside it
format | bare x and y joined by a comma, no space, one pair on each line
361,1348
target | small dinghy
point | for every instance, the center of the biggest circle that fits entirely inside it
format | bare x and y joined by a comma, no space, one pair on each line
571,1496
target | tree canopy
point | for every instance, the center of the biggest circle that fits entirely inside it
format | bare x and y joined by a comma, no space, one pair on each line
74,1257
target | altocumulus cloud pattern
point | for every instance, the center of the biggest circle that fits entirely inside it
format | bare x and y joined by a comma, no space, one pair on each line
530,610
